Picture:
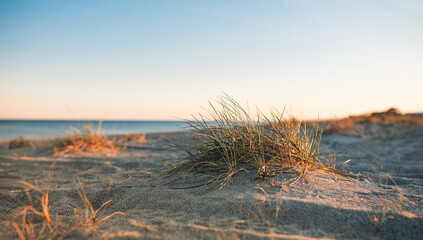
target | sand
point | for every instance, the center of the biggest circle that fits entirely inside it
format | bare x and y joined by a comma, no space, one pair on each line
320,206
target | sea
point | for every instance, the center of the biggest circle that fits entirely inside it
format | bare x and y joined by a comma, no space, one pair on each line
12,129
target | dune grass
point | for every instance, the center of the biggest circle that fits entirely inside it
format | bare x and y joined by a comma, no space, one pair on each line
386,205
52,227
85,140
20,143
25,227
91,218
139,138
234,139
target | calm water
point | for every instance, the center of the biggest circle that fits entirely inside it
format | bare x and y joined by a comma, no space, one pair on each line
10,129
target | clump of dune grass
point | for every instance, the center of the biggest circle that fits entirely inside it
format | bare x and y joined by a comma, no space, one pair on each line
37,206
386,205
52,227
139,138
84,141
90,218
20,143
234,139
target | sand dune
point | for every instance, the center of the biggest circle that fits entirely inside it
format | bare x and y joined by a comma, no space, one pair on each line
320,206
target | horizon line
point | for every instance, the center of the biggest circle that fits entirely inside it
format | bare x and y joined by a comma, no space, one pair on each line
91,119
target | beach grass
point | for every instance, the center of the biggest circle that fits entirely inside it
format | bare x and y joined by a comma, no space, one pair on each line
85,140
25,227
386,205
20,143
90,218
235,139
52,227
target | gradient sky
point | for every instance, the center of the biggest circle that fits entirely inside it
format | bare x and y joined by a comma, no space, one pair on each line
156,60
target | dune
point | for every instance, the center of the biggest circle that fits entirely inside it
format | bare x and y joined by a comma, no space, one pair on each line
382,201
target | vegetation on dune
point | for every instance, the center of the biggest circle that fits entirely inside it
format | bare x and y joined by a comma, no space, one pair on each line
91,218
132,138
234,140
356,125
20,143
37,210
85,140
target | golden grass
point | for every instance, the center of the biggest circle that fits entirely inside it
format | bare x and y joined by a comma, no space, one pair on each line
53,228
133,138
91,218
25,227
83,141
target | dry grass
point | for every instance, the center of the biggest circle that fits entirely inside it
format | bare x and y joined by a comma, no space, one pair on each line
53,228
38,207
133,138
261,209
20,143
234,140
91,218
378,215
85,140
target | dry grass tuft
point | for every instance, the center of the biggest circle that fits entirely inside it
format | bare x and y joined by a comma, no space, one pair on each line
91,218
378,215
133,138
234,140
38,207
87,140
20,143
53,228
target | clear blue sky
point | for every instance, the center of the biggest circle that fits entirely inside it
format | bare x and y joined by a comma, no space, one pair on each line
162,59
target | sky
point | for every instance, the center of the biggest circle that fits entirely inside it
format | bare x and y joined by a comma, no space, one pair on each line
165,60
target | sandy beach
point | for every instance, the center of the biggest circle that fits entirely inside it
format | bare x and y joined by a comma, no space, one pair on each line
382,201
225,120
